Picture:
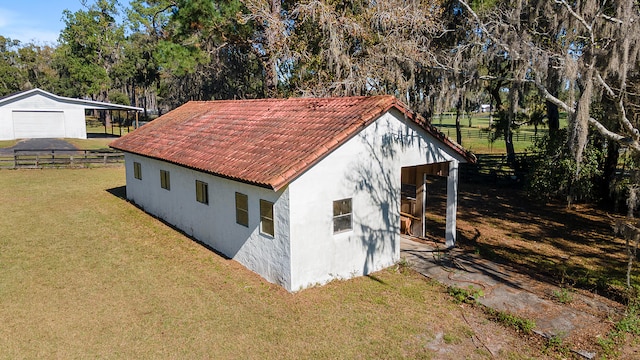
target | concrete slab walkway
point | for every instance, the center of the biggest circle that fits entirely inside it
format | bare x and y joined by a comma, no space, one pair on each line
505,289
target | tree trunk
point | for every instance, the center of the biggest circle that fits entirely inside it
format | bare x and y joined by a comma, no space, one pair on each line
609,172
495,94
508,141
553,86
271,66
458,113
134,97
107,113
468,111
508,134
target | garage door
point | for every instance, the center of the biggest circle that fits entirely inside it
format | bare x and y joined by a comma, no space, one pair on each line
38,124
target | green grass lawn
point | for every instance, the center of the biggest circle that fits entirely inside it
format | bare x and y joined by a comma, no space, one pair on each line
92,143
85,274
481,144
484,146
115,130
7,143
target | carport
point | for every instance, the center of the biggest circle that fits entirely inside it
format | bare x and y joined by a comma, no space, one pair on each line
39,114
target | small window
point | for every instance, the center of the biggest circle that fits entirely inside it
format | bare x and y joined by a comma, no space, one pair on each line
341,215
164,180
202,192
242,209
266,217
137,170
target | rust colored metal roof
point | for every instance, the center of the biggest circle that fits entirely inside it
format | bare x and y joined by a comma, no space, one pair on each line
267,142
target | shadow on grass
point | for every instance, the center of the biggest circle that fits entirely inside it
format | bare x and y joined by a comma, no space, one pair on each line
101,136
121,193
376,279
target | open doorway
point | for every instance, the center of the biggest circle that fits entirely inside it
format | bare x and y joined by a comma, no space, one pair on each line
423,202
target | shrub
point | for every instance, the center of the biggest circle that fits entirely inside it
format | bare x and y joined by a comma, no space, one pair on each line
554,173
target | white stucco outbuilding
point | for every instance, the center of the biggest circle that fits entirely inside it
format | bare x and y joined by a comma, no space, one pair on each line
39,114
301,191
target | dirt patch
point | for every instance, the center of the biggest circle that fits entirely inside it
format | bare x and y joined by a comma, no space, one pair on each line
571,256
573,248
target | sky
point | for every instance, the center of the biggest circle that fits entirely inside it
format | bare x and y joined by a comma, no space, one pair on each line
37,21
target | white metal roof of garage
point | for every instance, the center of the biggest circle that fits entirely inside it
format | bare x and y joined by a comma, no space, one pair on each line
88,104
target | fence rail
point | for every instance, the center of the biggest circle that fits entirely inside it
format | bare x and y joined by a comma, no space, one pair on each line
494,168
47,158
484,134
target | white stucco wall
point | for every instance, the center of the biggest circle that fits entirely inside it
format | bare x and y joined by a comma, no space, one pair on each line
215,224
366,169
304,250
74,119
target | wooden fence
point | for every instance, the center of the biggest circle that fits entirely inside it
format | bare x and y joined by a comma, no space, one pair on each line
484,134
490,168
39,158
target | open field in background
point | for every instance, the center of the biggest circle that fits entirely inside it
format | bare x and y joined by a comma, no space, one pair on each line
475,135
85,274
474,138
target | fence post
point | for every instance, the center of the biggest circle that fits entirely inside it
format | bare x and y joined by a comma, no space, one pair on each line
46,157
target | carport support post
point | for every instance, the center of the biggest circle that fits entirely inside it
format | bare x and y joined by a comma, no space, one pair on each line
452,203
423,214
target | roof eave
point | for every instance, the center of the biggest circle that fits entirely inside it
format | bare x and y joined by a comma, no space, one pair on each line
245,181
91,104
310,161
433,131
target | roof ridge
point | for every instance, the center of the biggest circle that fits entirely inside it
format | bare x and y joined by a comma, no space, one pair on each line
297,98
266,142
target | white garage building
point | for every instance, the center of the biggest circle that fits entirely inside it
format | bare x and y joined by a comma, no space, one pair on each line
39,114
301,191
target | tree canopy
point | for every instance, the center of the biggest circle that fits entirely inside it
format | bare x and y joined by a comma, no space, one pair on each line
532,59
